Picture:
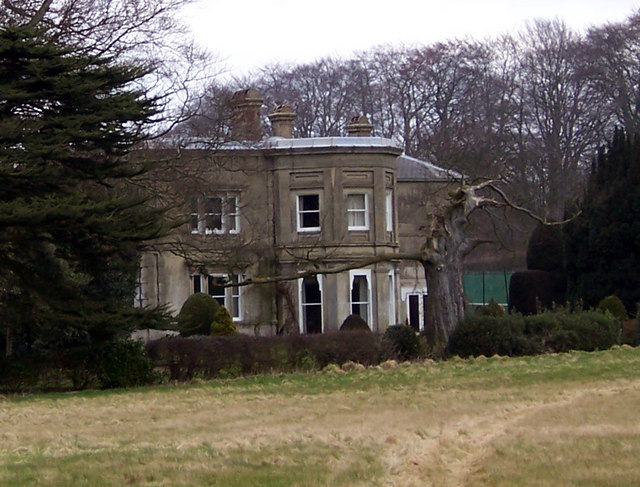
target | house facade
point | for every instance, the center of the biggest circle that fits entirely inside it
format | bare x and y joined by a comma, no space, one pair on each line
296,234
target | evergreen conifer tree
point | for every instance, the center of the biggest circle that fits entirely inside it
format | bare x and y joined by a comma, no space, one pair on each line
603,242
72,218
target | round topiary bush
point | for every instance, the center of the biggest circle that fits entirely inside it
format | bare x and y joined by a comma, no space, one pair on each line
223,323
613,304
401,342
354,323
197,314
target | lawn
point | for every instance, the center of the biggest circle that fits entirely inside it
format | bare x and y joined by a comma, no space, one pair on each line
568,419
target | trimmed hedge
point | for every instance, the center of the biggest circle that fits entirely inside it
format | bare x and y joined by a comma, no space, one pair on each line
236,355
552,331
489,335
120,363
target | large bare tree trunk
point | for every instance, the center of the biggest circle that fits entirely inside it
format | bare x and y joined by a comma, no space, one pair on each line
445,302
442,258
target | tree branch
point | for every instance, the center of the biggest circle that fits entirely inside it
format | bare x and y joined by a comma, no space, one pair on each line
356,264
39,15
16,10
527,211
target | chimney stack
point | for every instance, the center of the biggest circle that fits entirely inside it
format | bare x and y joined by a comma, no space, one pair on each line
282,118
245,123
359,126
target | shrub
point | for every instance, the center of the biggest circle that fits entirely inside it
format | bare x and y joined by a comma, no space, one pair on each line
629,334
197,314
551,331
491,309
354,323
489,335
223,323
344,346
400,342
238,354
123,363
613,304
592,330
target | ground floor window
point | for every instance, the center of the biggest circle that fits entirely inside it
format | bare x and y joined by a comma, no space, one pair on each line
361,294
417,310
391,292
310,293
218,286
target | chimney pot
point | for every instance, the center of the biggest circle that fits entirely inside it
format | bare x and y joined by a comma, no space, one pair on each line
282,118
245,123
359,126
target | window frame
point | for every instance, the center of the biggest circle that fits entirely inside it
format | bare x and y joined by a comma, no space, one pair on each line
358,211
232,294
366,273
300,212
302,305
392,304
388,206
228,214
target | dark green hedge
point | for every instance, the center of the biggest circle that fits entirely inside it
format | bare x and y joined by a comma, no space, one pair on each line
120,363
230,356
552,331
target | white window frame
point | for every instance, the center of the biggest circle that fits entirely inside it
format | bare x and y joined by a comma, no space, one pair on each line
301,305
358,211
300,212
218,214
367,274
232,294
421,292
391,283
229,215
388,204
200,288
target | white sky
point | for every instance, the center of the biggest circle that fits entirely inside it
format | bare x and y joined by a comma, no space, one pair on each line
248,34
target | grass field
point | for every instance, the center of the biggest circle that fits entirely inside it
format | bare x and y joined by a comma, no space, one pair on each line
555,420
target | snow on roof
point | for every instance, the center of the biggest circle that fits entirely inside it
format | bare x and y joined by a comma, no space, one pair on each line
326,142
412,169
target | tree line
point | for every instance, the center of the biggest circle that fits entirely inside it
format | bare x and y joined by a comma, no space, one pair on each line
530,108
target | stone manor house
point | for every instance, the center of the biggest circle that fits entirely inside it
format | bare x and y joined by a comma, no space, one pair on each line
278,206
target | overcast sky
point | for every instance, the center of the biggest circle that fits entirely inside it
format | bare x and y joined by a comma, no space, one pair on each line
251,33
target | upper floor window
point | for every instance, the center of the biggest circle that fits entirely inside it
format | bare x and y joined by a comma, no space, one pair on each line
388,203
215,214
308,212
358,211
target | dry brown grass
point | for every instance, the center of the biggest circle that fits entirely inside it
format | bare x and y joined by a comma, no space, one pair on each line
454,424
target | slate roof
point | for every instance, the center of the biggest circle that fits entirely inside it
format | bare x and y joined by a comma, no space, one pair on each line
412,169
